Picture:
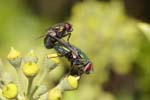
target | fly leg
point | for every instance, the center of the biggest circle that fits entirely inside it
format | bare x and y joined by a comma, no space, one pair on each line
58,55
72,68
80,71
69,35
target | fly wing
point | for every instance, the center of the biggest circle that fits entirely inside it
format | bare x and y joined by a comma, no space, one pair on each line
67,45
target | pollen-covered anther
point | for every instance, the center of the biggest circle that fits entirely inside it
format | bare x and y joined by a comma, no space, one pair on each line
30,69
10,91
54,94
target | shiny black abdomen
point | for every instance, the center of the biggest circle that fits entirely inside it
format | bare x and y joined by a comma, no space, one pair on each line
49,42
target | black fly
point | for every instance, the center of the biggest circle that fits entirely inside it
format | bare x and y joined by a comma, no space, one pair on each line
59,31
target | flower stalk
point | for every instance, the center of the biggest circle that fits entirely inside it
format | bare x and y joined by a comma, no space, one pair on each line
30,81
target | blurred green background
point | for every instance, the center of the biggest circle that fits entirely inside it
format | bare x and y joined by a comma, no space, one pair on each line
115,34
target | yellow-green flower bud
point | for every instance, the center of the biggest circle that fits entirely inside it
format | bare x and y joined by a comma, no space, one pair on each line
51,62
30,69
54,94
73,81
14,57
13,54
54,58
69,83
31,57
10,91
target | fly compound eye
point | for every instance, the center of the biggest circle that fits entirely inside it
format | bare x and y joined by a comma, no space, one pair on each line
88,68
68,27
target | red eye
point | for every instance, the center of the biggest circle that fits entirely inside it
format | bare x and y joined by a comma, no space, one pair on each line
88,68
68,27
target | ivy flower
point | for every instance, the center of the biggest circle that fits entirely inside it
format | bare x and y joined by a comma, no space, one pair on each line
10,91
14,57
30,69
51,62
69,83
13,54
54,94
25,86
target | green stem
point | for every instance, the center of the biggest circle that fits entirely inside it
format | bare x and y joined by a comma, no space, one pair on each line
19,80
16,98
30,81
34,90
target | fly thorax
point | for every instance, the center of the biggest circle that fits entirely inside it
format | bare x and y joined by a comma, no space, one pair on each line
74,56
61,29
52,33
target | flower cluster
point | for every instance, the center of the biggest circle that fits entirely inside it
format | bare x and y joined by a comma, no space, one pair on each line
27,69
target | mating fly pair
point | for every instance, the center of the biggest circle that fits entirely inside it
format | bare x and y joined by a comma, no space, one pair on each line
53,39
